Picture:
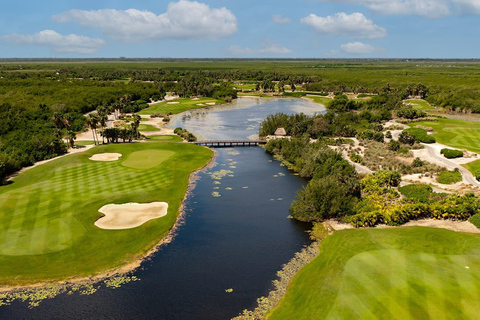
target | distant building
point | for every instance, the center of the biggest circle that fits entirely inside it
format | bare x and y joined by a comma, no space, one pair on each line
280,132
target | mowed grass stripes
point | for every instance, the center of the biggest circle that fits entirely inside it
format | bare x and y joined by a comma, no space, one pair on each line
403,273
47,214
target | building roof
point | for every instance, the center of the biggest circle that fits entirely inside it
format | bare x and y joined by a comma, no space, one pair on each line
280,132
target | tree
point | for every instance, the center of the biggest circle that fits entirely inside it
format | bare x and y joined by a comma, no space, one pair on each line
71,138
92,122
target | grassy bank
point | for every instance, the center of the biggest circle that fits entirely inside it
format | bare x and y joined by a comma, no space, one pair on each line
179,105
47,214
404,273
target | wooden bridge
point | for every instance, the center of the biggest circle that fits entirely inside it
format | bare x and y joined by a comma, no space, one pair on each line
230,143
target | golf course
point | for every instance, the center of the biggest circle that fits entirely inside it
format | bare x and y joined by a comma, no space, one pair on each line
180,105
47,213
401,273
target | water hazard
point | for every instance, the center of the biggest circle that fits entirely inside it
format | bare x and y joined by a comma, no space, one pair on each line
236,235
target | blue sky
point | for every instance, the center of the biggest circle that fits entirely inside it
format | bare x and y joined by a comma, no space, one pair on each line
247,28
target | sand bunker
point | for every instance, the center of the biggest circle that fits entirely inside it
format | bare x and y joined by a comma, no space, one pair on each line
130,215
201,104
106,156
173,102
210,103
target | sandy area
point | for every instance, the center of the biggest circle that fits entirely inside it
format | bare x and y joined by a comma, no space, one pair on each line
201,104
210,103
173,102
459,226
196,99
130,215
106,156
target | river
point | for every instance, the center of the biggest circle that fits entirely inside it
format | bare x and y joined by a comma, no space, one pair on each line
236,233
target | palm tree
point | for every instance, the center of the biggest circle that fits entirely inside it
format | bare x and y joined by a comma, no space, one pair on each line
92,122
71,138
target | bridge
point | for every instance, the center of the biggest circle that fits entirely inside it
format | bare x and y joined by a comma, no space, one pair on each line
230,143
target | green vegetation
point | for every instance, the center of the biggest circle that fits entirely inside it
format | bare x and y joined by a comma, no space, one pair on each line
147,127
185,134
474,168
419,104
420,192
455,133
47,214
165,138
449,177
451,153
475,220
418,134
406,273
182,105
84,143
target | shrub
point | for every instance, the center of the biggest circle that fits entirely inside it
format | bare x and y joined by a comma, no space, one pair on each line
403,151
451,153
388,135
394,145
449,177
410,113
475,220
406,138
417,162
177,130
365,219
356,158
477,175
370,135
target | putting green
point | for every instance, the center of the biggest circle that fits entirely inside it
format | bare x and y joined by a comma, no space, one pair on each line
47,214
403,273
179,105
146,159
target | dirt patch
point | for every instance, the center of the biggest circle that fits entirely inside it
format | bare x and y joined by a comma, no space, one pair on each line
106,156
130,215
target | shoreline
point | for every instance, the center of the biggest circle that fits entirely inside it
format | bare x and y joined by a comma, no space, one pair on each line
132,266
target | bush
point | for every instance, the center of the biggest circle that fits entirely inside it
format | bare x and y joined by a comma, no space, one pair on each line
410,113
403,151
370,135
475,220
365,219
388,135
406,138
420,135
451,153
394,145
417,162
477,175
449,177
356,158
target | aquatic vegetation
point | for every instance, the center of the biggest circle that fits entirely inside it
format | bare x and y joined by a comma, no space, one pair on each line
232,167
228,188
244,187
117,282
217,182
230,290
216,194
218,175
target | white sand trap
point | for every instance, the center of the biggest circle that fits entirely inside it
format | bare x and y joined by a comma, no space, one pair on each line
106,156
196,99
130,215
173,102
210,103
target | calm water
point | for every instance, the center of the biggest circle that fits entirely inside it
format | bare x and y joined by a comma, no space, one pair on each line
237,240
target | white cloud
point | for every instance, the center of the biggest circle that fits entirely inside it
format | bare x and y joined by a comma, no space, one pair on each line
278,18
62,44
358,48
355,25
270,48
184,20
425,8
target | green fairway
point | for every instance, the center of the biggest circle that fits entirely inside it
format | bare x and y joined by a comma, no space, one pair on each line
84,143
473,167
47,214
402,273
323,100
419,104
181,106
147,127
165,138
455,133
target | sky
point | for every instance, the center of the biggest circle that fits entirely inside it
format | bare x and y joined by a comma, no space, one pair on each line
240,29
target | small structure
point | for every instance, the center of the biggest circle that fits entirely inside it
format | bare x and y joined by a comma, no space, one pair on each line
280,132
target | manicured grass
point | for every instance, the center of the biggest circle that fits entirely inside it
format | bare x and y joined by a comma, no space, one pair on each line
473,167
323,100
419,104
165,138
84,143
455,133
402,273
183,105
47,214
147,127
260,95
